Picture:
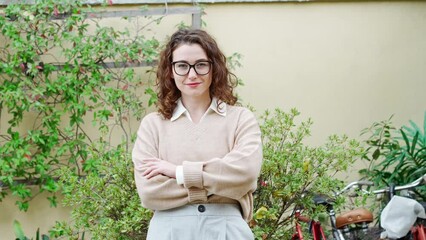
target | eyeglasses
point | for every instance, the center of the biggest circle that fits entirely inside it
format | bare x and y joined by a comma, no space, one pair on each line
182,68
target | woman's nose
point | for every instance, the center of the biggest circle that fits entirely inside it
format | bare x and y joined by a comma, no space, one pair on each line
192,73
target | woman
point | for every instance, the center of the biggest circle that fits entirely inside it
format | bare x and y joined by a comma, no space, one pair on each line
198,158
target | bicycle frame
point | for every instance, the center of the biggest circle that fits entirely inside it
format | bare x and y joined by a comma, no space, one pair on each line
314,228
337,234
317,231
298,235
418,232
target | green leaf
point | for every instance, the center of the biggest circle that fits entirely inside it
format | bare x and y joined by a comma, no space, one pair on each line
153,96
23,206
376,154
19,232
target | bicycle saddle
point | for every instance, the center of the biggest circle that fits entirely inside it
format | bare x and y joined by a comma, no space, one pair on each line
321,199
358,215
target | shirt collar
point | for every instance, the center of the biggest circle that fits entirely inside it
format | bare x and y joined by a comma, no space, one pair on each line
216,106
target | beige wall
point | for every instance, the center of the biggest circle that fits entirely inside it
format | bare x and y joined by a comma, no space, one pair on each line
345,65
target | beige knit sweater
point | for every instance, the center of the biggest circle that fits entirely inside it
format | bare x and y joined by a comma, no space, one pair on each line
221,158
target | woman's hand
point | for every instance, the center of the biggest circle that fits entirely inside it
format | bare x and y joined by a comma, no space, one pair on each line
158,166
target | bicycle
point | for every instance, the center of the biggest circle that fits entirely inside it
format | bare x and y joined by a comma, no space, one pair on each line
315,228
365,217
353,224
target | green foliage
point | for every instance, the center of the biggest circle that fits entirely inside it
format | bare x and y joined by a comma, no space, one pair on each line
395,156
291,168
20,235
105,202
48,105
71,125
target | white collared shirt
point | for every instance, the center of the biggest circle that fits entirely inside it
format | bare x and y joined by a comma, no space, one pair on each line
215,105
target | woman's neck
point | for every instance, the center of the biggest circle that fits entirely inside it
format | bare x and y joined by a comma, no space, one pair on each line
196,107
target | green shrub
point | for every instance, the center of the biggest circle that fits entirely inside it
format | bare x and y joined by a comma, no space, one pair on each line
49,106
291,168
395,156
54,87
20,235
105,203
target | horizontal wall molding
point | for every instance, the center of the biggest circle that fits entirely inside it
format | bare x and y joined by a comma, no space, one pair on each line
156,2
144,2
194,11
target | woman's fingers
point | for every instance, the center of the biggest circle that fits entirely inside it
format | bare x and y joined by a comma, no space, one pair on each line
151,165
155,167
147,171
152,174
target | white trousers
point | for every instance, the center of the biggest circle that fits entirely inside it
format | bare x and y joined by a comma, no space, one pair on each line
200,222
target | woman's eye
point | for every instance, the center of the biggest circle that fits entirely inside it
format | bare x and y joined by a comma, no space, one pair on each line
182,65
202,64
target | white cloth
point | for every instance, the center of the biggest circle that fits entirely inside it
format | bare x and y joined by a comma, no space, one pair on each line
190,222
215,106
399,215
179,175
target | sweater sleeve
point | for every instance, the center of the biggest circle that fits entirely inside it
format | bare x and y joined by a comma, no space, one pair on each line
234,175
159,192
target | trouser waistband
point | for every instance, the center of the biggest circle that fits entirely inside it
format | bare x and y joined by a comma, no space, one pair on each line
211,209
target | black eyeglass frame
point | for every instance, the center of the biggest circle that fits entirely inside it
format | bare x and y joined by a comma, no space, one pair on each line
192,66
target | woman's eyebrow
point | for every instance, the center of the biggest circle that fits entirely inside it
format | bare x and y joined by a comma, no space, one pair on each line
202,60
196,61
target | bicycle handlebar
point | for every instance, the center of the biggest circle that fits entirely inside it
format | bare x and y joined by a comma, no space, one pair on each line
413,184
354,184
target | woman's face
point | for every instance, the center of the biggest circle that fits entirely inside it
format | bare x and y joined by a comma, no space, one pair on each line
192,84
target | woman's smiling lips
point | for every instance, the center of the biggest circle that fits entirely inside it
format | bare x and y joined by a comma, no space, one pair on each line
193,85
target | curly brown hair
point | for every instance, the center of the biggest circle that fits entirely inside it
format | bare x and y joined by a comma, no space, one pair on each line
223,81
